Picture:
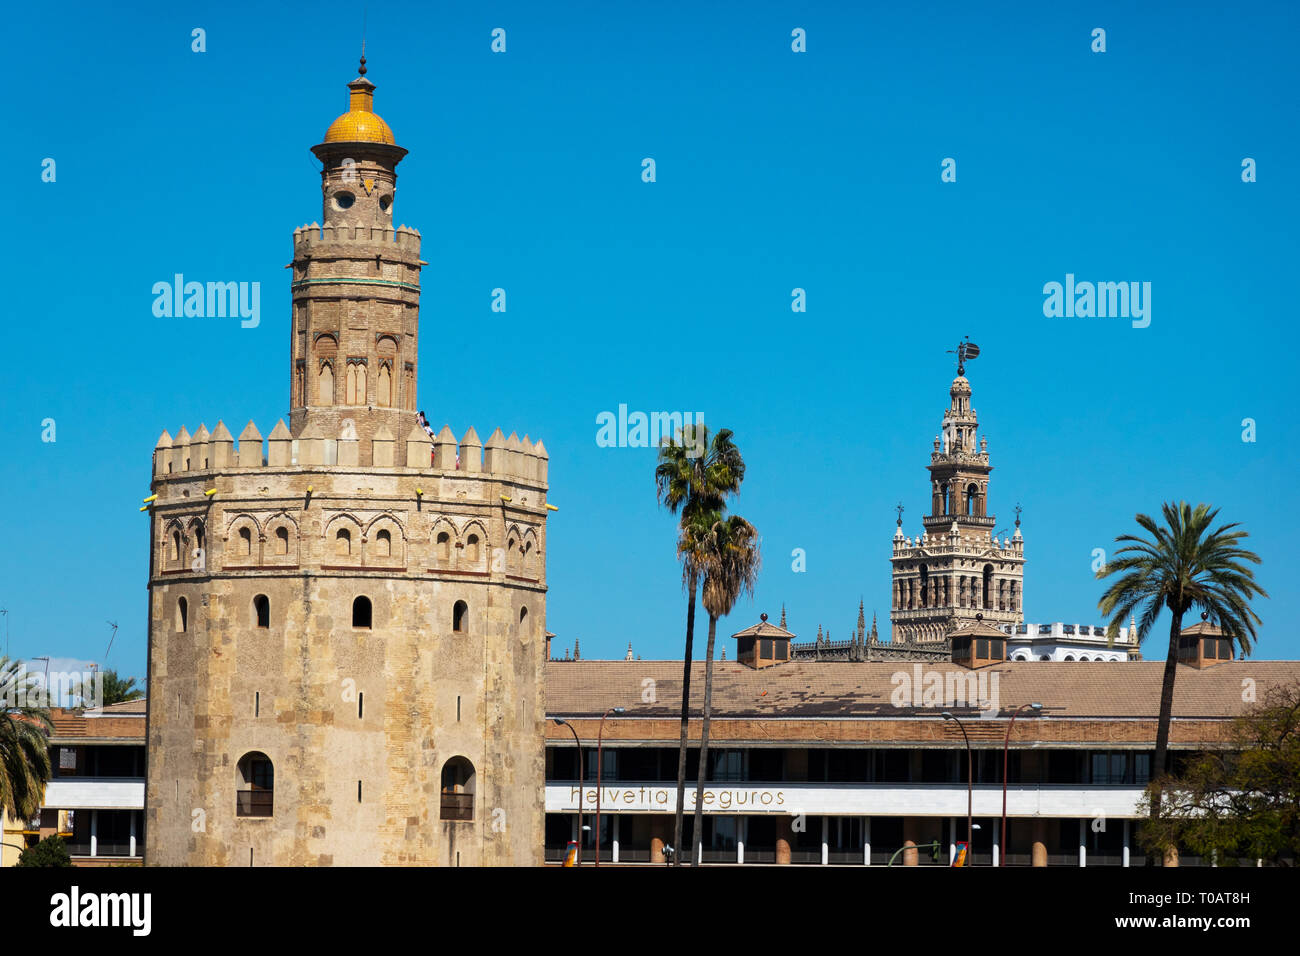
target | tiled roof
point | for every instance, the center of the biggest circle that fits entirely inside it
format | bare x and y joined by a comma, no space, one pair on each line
811,689
115,721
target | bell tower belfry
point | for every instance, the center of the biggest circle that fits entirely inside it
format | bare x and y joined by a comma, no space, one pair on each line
956,571
356,289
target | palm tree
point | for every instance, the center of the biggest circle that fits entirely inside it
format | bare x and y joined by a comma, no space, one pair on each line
24,742
1181,566
694,476
115,690
731,562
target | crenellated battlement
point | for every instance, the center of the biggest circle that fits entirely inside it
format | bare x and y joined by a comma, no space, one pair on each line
511,459
315,236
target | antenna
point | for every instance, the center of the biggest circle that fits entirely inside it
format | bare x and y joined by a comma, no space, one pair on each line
5,612
365,10
113,625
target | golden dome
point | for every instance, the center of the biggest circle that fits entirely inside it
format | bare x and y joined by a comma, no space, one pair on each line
360,124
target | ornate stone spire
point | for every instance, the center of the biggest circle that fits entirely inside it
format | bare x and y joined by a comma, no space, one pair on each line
783,616
862,621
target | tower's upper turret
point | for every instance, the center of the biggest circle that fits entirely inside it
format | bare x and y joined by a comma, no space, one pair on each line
959,467
359,160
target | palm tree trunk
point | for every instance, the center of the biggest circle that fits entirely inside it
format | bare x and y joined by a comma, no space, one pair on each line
704,743
1166,713
686,716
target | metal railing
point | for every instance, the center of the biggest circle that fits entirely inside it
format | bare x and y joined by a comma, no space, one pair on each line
254,803
457,806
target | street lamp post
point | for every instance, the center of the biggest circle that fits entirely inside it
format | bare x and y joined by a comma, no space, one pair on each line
599,735
970,793
560,721
1006,743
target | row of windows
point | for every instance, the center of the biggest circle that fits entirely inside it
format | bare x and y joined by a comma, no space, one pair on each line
519,556
255,793
773,765
363,614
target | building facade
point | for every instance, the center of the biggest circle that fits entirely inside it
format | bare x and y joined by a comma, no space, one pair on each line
1070,642
347,624
95,796
854,763
956,571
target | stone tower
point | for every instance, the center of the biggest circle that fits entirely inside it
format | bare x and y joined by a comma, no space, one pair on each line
346,625
956,569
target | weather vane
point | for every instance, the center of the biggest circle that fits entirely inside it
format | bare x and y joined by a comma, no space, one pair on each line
1018,510
966,350
900,514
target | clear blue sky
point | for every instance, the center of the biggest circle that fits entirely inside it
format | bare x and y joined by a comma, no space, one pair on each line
775,170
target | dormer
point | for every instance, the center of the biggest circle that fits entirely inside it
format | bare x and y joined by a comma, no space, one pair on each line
1203,645
763,644
978,645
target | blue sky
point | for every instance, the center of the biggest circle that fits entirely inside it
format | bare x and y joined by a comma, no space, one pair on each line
775,171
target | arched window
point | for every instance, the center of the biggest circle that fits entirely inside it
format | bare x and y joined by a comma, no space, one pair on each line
457,789
471,549
262,611
255,786
362,612
460,618
282,541
444,547
988,585
512,559
355,392
245,542
925,586
343,542
384,544
176,546
384,386
971,494
523,622
182,615
947,499
1069,657
326,394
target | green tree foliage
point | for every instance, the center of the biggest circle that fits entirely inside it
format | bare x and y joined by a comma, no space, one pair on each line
51,851
1243,801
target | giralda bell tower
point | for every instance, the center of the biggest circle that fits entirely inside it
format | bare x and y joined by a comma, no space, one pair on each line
956,570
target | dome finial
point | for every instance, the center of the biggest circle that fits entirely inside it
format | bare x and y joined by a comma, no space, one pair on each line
362,70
